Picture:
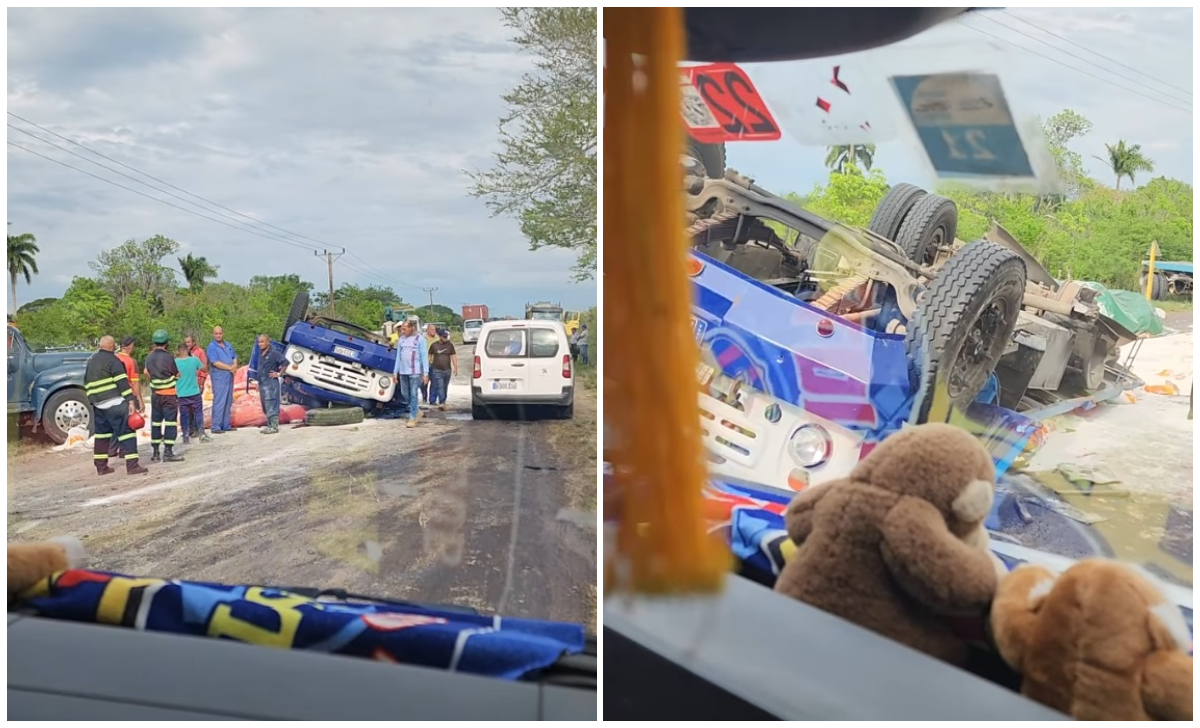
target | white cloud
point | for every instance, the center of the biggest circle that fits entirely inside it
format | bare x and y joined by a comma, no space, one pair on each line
348,126
1156,42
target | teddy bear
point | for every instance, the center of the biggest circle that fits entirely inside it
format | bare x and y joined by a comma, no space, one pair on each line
899,546
1098,642
29,563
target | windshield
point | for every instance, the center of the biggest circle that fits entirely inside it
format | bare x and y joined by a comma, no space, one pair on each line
546,316
905,181
273,446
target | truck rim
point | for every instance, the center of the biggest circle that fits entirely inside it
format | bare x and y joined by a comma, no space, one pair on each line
71,413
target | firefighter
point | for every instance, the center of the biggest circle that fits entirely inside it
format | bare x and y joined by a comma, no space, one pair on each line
162,373
111,396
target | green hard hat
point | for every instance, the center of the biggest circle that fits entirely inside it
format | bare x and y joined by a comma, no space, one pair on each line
161,337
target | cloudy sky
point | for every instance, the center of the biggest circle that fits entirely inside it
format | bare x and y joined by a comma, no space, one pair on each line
1147,51
349,127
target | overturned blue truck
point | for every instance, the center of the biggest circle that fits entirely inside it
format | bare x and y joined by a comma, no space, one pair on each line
337,370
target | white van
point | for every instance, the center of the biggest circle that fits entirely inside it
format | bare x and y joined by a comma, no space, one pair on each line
471,329
523,363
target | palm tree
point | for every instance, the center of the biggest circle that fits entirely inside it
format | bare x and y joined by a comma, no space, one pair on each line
1126,160
22,261
850,155
196,270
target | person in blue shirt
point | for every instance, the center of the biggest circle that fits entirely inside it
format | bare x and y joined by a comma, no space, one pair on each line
222,361
411,370
270,365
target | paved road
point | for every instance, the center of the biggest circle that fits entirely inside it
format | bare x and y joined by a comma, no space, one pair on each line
492,515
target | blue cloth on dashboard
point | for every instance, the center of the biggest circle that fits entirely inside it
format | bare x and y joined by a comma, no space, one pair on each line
430,637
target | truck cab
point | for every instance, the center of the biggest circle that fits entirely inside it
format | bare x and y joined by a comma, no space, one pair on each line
543,311
45,389
572,321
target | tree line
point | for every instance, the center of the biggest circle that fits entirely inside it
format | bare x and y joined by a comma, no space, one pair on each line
1086,231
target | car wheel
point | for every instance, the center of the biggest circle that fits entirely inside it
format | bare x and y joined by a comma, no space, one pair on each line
66,409
961,328
931,224
566,412
480,412
893,208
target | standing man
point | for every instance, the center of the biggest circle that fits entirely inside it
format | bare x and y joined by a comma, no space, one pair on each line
581,332
191,402
412,368
270,364
111,397
443,365
125,354
430,337
222,363
164,400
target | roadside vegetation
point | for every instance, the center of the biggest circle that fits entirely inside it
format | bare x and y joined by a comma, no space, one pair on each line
1090,231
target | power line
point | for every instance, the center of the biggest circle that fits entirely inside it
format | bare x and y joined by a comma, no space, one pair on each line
143,194
156,189
247,227
1081,58
1089,50
1077,70
168,184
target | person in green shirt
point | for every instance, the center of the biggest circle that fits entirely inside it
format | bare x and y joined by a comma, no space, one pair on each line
187,388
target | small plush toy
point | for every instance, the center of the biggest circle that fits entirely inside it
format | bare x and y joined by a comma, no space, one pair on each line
29,563
1098,642
899,546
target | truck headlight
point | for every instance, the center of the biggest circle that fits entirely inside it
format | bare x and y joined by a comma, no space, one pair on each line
297,357
810,446
385,382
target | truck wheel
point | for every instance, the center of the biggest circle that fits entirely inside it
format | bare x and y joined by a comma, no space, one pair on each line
961,328
66,409
892,209
329,417
1156,289
711,156
297,313
930,224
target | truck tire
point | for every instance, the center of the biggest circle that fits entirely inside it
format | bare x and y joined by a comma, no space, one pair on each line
334,416
297,313
931,223
1158,290
893,208
66,409
961,328
711,156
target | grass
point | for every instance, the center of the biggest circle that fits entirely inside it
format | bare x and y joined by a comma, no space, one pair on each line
1172,305
575,442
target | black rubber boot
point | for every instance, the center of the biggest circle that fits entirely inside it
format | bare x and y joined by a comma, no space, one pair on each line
155,457
170,457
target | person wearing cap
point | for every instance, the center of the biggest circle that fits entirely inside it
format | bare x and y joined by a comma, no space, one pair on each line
162,373
443,364
581,342
430,337
112,401
411,369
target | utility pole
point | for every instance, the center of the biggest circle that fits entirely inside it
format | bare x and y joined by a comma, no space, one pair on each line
329,258
430,292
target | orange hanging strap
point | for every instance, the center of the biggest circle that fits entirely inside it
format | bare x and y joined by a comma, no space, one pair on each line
652,428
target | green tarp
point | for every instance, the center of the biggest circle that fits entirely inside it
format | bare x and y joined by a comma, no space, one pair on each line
1129,309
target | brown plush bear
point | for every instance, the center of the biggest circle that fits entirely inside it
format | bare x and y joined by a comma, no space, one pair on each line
1098,642
899,546
29,563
